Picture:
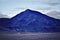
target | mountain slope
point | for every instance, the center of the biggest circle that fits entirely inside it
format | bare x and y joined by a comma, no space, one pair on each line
33,21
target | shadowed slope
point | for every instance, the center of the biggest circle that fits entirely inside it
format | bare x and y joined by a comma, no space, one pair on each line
3,23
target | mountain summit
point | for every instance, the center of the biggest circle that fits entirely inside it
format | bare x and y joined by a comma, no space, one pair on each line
33,21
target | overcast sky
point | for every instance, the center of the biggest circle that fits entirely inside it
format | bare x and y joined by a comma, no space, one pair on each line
13,7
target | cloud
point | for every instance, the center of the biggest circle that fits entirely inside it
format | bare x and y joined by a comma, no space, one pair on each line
46,8
3,15
17,9
53,4
54,14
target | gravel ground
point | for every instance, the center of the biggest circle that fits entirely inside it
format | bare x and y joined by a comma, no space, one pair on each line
29,36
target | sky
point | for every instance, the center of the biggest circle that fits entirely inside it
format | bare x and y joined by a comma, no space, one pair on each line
13,7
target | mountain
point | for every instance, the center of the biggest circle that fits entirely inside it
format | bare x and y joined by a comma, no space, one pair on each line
33,21
54,14
3,23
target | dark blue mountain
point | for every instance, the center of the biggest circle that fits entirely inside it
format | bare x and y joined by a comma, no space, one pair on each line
33,21
3,22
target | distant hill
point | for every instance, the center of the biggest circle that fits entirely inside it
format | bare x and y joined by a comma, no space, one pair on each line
33,21
4,22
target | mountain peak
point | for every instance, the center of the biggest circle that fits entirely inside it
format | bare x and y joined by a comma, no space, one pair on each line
28,10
